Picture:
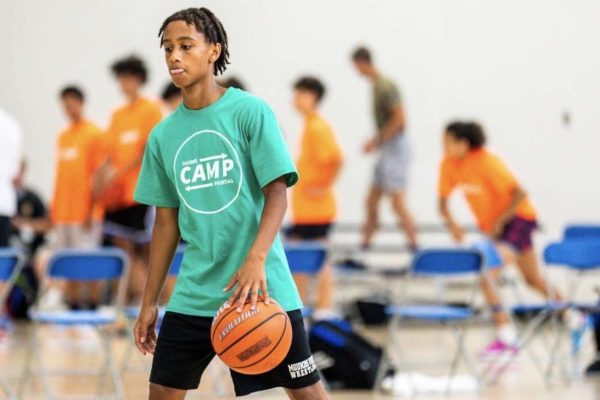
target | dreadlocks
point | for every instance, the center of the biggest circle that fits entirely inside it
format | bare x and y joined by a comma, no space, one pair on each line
209,25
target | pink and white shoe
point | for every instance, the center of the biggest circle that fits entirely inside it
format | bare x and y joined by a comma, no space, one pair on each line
496,349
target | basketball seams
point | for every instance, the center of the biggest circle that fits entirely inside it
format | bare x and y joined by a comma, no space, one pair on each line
249,332
285,326
220,318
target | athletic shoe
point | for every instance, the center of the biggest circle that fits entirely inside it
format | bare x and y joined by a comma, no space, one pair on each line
498,348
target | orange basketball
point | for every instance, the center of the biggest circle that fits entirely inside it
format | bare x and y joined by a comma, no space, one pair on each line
252,342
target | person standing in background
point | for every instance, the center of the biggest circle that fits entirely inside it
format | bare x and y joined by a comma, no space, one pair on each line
75,212
130,126
391,170
11,142
313,201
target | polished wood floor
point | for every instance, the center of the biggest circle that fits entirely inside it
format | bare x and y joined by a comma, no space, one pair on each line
429,348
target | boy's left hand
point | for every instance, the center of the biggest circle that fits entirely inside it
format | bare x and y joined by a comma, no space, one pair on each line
250,278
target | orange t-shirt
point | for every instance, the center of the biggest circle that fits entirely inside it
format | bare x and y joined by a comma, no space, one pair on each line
488,186
317,164
79,154
127,135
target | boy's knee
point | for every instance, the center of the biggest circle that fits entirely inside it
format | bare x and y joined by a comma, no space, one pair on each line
159,392
313,392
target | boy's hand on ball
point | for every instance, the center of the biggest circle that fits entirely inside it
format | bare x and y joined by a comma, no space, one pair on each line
144,331
247,282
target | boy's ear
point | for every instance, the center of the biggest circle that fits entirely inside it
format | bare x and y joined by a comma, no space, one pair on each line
216,52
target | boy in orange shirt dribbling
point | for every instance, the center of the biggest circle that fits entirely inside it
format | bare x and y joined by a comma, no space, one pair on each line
502,210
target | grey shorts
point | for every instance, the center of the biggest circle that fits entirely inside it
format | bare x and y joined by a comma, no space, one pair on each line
76,236
391,169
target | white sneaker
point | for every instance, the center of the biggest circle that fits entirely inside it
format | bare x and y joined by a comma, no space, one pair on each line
52,301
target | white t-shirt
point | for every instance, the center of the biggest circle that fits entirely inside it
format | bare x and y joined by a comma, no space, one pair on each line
11,139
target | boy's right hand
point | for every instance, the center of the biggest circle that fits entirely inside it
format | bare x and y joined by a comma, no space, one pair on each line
144,331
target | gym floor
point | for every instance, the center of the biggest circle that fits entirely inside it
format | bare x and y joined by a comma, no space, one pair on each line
79,347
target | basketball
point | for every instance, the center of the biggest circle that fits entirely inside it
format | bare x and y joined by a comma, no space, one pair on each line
254,341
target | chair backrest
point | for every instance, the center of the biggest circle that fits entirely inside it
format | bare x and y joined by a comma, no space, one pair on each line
447,262
176,263
577,254
582,232
492,258
9,262
305,258
88,265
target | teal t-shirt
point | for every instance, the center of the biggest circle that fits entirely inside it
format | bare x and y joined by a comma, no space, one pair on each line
212,164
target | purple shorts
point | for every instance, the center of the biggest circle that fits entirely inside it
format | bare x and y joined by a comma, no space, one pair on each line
517,233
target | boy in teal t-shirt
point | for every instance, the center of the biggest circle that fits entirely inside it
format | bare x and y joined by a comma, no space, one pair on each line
217,170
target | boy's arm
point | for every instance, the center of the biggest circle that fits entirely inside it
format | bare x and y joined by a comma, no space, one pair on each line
455,230
165,238
251,277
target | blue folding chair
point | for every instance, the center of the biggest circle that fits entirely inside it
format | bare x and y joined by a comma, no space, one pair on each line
581,257
107,264
543,313
306,258
581,231
437,264
11,263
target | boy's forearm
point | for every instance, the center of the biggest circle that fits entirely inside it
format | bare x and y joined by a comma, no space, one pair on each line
445,212
394,127
165,238
271,219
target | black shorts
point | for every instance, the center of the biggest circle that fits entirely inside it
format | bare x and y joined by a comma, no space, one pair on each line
308,232
183,351
131,220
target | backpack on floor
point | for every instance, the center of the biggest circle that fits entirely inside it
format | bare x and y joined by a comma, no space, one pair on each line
346,360
371,309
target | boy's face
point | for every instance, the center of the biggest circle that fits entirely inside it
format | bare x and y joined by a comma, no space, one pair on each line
455,148
305,101
190,57
73,107
130,85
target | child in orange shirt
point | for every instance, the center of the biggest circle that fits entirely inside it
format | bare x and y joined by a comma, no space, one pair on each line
130,126
502,210
313,201
75,214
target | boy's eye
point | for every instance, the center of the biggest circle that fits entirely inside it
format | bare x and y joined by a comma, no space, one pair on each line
168,49
186,46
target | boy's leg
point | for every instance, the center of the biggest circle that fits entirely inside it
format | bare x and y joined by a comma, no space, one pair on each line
406,220
158,392
528,265
303,284
313,392
183,351
325,289
372,222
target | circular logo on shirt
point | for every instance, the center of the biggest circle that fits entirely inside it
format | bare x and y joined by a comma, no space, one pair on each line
208,172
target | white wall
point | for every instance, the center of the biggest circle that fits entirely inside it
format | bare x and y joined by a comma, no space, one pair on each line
514,65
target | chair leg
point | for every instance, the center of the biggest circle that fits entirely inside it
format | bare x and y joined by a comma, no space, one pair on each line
393,355
115,375
26,372
458,334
